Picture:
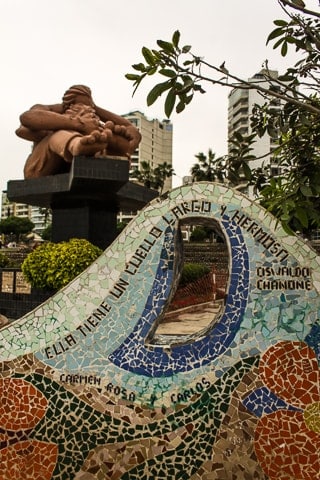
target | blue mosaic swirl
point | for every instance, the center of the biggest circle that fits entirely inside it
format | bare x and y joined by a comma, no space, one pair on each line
156,361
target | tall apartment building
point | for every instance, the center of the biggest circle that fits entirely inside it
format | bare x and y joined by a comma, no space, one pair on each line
9,209
240,107
155,147
156,143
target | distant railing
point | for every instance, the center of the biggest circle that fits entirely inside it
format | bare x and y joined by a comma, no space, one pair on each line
17,297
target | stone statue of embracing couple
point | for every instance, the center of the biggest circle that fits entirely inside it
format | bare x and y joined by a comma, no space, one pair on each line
74,127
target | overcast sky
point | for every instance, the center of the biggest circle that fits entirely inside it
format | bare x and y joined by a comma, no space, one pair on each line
47,46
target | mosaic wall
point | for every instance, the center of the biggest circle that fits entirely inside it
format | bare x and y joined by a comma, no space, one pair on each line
91,390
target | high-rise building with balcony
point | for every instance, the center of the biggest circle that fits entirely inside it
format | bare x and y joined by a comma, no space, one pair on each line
155,147
241,102
156,143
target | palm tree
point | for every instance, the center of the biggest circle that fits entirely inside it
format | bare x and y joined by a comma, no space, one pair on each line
46,212
161,173
143,174
153,177
209,168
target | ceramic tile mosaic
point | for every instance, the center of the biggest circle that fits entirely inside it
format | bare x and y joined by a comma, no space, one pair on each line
89,391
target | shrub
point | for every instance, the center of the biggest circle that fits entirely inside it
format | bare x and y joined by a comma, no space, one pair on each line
5,261
53,265
121,226
198,234
47,233
192,271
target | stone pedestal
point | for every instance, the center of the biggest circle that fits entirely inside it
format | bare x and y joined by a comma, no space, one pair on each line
85,201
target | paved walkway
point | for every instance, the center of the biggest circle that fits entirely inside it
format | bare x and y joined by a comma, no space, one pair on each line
189,320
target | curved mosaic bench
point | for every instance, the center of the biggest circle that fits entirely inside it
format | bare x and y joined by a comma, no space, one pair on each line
89,391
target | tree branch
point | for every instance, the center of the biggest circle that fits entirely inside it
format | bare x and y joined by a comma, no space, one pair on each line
245,85
294,6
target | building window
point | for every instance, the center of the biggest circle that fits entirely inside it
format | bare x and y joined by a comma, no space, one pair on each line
275,171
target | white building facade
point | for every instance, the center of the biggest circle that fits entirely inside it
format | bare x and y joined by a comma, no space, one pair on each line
156,143
155,148
40,218
240,105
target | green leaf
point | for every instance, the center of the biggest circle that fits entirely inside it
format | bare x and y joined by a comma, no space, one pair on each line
169,103
180,107
188,99
156,54
148,56
285,217
301,215
290,39
280,23
167,47
238,136
152,70
137,83
286,78
286,228
156,92
199,88
183,90
186,48
167,72
284,49
275,33
247,171
176,38
273,183
132,76
276,45
187,80
139,66
306,191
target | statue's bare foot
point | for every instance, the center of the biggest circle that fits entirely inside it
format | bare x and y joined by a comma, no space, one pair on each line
90,144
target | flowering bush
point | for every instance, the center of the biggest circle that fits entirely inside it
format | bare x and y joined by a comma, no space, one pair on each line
53,265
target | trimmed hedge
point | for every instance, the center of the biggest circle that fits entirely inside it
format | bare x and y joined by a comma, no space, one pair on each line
54,265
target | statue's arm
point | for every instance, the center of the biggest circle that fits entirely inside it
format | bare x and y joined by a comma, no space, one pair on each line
51,118
31,135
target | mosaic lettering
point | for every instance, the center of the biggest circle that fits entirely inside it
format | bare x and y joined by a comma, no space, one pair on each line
90,389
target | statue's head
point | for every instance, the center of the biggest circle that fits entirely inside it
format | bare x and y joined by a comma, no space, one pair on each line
77,94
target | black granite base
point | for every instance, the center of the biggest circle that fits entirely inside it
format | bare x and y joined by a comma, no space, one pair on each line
85,201
90,221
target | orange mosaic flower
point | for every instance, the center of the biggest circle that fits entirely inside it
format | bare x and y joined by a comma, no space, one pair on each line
28,459
21,406
287,442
